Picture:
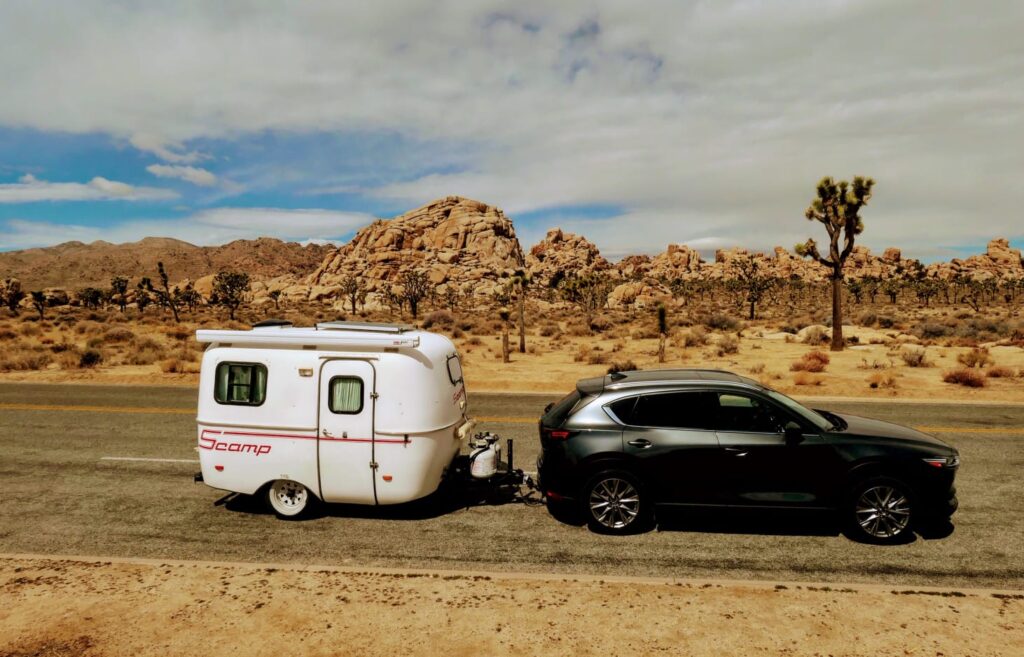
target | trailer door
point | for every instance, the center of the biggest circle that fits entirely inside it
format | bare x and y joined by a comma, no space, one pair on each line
346,432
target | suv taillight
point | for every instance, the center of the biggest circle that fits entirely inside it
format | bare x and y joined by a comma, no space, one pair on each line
556,434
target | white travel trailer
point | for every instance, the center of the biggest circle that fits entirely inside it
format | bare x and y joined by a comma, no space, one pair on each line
347,412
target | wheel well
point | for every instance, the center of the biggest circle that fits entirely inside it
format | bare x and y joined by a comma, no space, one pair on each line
871,469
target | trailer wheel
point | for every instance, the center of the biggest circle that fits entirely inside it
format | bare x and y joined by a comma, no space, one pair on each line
288,499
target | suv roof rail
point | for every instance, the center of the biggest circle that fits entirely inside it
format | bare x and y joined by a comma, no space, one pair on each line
269,323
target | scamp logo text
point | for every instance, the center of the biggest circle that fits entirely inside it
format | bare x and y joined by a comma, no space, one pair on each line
207,442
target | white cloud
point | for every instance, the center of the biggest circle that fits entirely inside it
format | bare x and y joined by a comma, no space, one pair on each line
207,227
194,175
30,189
169,151
698,119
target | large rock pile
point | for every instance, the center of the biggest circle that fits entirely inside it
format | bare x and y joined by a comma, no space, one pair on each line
998,261
454,241
561,253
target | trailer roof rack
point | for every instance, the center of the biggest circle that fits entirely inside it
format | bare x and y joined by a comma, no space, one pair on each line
366,327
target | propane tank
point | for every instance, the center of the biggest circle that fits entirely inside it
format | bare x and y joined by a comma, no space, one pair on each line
484,456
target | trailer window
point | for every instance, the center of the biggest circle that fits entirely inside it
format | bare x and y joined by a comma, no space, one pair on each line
244,384
346,395
454,369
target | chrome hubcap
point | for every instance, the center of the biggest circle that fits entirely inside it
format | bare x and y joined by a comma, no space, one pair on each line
289,494
614,503
883,511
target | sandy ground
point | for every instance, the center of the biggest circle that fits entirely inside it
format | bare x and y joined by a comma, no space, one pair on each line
551,366
95,607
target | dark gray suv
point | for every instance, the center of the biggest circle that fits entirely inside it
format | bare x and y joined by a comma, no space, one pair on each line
623,445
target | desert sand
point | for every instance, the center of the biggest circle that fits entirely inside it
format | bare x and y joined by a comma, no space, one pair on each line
112,608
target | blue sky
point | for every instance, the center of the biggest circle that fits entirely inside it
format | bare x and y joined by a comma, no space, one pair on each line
695,122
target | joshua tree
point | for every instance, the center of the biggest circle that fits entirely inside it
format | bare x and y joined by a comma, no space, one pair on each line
229,288
39,302
355,290
142,298
90,297
163,293
275,296
589,292
504,314
452,297
11,294
119,291
662,331
520,281
415,287
188,297
837,207
753,280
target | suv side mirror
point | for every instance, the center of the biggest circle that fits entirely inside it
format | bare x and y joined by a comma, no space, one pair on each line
794,433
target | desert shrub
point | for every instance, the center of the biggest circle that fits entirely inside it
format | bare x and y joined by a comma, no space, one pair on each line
932,330
882,380
582,353
806,379
7,334
982,329
977,357
915,357
867,318
178,366
623,366
965,376
30,330
597,358
578,329
788,328
600,323
466,324
14,360
873,365
728,344
886,322
90,358
178,332
756,368
721,322
812,361
117,334
440,318
816,335
457,332
648,332
474,341
999,372
549,329
696,336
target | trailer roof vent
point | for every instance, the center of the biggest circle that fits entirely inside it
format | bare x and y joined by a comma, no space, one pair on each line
272,323
365,327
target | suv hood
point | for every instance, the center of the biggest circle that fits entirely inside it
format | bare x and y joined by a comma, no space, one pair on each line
867,427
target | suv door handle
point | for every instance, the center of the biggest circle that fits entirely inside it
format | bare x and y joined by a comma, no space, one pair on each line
640,442
736,451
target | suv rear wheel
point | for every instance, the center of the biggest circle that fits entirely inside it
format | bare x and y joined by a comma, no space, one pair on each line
614,503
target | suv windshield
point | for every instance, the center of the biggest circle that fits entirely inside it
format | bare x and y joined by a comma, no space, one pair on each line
820,423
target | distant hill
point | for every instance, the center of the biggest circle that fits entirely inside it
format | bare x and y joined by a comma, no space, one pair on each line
74,265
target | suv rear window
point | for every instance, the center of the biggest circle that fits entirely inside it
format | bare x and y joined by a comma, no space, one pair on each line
557,414
672,410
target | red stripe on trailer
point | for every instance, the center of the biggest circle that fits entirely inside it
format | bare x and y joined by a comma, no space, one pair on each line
217,432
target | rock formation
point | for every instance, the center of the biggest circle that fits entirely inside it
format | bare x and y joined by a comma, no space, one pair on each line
998,261
454,240
563,253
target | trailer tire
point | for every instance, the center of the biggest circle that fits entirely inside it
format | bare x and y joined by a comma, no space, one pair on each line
289,500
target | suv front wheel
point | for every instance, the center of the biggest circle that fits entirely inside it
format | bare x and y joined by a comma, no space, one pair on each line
880,510
614,502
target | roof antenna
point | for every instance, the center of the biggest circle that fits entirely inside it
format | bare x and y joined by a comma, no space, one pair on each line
617,376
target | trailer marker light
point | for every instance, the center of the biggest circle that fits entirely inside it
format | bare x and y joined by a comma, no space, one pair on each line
219,468
387,477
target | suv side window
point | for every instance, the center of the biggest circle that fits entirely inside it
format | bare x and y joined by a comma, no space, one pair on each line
670,410
737,412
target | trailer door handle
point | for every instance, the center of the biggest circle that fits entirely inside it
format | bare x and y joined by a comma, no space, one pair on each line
642,443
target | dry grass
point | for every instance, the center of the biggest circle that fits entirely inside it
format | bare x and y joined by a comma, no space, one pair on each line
807,379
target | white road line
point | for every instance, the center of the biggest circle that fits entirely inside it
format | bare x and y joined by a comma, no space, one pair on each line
147,460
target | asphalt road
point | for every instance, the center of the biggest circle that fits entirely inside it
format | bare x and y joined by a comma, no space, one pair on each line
65,491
